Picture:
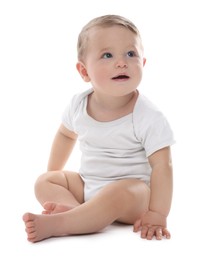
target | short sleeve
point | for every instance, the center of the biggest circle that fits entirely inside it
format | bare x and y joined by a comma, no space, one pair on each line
74,109
70,111
157,135
152,128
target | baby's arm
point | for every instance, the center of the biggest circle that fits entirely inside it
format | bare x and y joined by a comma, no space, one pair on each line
153,223
62,146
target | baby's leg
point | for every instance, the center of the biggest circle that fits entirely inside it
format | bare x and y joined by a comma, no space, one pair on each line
39,227
53,207
60,187
124,200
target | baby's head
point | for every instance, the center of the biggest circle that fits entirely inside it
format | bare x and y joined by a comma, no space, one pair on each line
102,22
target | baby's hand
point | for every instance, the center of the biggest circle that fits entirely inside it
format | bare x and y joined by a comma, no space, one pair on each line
152,224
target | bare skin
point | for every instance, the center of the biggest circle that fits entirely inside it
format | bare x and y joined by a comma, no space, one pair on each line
125,201
113,66
60,219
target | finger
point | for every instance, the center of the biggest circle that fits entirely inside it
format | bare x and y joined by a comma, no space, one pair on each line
166,233
137,225
144,231
159,233
150,233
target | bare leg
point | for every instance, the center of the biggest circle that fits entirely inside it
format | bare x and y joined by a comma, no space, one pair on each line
124,201
53,207
65,188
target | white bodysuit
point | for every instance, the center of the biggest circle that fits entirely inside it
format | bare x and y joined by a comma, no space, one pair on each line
118,149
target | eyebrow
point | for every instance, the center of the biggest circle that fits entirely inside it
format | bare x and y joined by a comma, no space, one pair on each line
134,45
105,49
130,46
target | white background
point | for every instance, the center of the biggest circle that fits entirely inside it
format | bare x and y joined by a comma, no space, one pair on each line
37,79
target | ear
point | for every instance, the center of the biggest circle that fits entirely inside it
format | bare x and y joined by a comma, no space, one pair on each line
144,61
82,71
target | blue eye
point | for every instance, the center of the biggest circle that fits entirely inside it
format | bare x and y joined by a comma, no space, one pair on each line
131,54
107,55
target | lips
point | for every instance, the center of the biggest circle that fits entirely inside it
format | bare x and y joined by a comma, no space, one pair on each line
121,77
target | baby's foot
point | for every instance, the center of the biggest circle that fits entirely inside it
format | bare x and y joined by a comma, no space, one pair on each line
38,227
53,208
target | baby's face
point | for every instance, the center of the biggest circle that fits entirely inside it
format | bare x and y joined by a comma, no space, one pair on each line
114,60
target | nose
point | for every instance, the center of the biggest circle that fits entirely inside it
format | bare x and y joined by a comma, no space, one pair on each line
121,63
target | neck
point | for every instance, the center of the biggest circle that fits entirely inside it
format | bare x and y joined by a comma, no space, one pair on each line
112,102
110,108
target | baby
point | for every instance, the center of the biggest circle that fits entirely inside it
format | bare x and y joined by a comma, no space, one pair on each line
126,165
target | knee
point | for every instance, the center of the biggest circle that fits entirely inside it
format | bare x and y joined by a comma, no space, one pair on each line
117,193
51,178
133,197
40,181
129,192
43,180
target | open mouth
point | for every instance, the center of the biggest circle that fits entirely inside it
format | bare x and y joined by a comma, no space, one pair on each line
121,77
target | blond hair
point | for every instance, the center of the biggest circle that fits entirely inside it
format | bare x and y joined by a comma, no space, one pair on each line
104,22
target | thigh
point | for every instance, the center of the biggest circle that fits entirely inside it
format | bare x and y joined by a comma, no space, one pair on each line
70,181
135,195
75,185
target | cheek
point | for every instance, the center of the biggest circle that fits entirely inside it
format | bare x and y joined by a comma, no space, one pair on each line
103,72
100,74
138,68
